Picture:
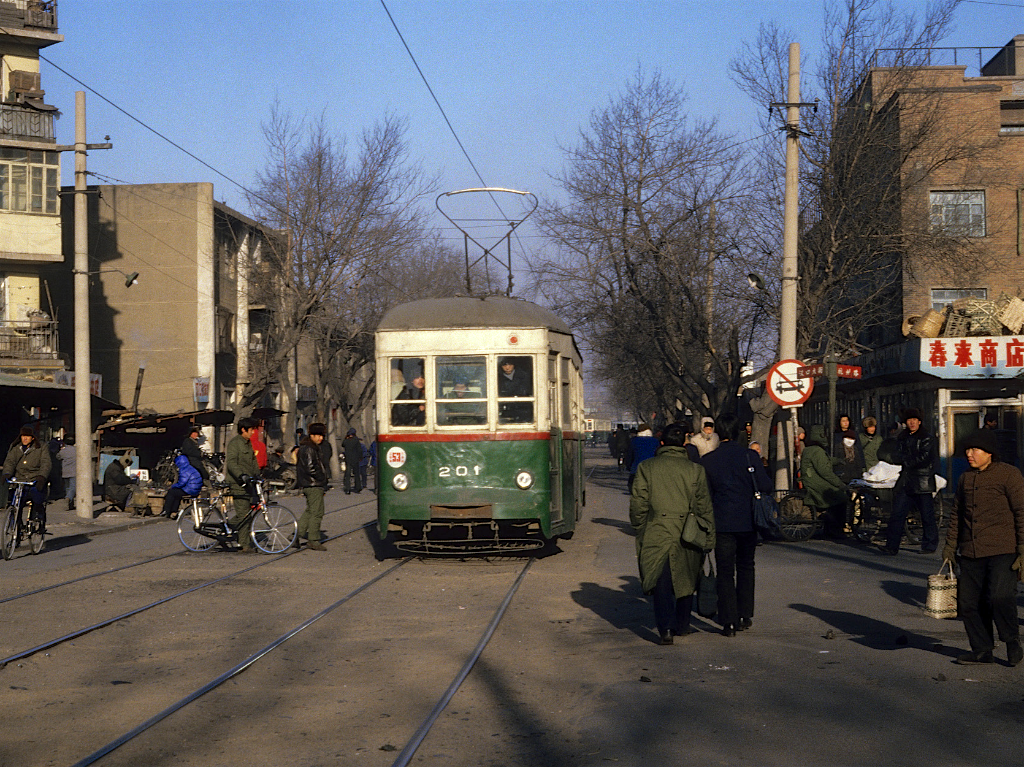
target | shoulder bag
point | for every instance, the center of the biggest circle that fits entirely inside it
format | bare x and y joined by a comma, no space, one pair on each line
767,517
707,590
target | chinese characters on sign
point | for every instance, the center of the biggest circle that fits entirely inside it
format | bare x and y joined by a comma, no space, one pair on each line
983,357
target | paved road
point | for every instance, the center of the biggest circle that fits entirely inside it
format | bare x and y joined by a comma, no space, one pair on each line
842,667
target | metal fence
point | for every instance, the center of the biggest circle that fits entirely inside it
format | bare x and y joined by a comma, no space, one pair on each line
28,339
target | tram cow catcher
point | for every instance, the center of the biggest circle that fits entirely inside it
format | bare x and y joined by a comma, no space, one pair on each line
480,416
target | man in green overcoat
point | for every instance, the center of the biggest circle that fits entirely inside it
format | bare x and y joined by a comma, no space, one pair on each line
824,490
239,462
666,490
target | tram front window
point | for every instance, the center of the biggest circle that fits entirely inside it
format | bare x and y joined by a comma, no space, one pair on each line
515,390
408,392
461,391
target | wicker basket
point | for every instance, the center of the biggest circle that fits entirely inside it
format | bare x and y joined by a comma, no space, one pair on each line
1012,315
929,325
941,602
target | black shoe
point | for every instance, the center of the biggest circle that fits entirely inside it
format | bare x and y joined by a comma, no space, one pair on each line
927,551
1014,653
316,546
975,658
666,637
684,632
729,630
887,550
297,543
744,624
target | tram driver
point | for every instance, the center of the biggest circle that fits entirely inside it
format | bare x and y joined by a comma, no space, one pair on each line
515,380
414,413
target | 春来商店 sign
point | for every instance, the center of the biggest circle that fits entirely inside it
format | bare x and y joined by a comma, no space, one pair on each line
980,357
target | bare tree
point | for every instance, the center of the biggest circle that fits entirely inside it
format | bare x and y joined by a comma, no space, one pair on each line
879,132
647,251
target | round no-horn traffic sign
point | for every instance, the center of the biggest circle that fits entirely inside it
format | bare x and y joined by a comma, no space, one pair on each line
785,386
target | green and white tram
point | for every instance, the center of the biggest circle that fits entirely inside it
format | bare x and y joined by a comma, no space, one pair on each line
479,426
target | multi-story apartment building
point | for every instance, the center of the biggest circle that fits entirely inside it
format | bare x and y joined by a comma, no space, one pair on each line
185,322
931,355
29,183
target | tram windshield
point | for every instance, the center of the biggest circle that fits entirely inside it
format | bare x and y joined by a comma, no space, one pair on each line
408,392
515,389
461,391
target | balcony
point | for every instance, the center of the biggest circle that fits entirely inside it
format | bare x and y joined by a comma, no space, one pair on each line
25,124
29,14
28,344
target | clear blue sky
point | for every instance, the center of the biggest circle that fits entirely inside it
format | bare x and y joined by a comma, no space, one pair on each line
515,77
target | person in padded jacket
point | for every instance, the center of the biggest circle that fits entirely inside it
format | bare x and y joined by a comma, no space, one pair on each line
917,451
987,526
311,478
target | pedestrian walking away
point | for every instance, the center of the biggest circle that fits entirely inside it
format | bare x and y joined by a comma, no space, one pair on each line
986,536
353,450
68,467
311,478
666,490
729,468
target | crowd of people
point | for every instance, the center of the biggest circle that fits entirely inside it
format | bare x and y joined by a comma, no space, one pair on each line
713,475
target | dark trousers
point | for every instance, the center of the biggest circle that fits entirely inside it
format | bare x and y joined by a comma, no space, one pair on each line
172,501
734,554
352,476
670,613
987,594
902,503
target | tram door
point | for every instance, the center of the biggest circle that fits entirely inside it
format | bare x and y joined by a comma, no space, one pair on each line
555,444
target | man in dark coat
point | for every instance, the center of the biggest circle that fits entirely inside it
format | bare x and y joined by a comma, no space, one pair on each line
412,414
987,526
667,488
117,484
733,469
29,461
311,478
917,451
353,450
190,449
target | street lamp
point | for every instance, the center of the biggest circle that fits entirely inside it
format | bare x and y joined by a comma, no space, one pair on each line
130,278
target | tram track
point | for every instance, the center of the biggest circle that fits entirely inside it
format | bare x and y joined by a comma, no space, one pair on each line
183,552
421,731
50,644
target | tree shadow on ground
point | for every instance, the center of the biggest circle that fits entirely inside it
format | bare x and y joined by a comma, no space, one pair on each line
622,525
873,633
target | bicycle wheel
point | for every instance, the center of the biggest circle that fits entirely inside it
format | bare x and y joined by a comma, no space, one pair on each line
191,539
9,533
799,522
273,529
867,518
35,536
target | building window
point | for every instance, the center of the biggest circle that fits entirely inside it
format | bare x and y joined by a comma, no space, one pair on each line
1011,118
958,213
942,297
29,180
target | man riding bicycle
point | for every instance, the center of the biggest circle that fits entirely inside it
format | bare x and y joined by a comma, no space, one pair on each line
28,460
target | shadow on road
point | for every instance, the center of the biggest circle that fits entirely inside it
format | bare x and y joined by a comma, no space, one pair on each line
622,525
65,541
873,633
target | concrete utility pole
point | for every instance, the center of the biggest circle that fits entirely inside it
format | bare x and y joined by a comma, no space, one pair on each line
790,233
83,402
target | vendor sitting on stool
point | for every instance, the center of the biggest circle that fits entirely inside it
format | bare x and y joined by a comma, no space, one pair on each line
189,483
116,484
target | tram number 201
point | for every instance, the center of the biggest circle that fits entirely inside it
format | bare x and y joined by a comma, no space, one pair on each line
458,471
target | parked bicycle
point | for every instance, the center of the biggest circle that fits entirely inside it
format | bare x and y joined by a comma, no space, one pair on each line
204,523
15,529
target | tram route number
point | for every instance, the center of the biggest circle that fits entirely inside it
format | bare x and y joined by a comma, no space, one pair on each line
458,471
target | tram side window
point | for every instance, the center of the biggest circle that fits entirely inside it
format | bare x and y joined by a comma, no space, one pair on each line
408,392
515,390
461,391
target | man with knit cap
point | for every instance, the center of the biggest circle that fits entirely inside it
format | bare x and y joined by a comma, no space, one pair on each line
311,478
987,527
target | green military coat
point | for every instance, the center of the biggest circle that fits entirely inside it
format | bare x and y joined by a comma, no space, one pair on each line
870,445
665,490
822,486
239,460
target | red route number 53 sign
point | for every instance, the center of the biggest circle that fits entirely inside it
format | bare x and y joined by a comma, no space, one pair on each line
785,386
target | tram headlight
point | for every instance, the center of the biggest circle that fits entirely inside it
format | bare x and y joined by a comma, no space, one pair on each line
400,481
524,480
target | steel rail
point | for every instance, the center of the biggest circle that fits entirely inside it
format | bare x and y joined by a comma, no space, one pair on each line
428,723
154,559
81,632
213,684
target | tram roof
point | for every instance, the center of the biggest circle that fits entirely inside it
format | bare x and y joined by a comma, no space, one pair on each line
469,312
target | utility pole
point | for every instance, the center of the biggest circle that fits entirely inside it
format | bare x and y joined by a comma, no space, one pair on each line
790,234
83,402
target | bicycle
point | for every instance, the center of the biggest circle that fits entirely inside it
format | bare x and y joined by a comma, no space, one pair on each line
15,529
204,523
